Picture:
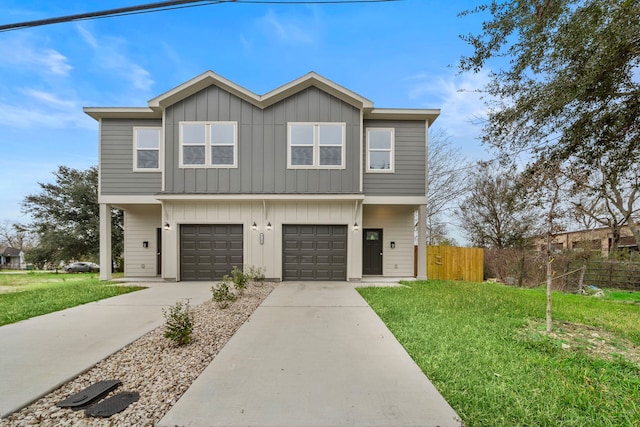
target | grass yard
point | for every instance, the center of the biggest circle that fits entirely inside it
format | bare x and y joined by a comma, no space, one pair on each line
25,295
484,348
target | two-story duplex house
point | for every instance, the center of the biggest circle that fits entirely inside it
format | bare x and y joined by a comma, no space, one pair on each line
308,181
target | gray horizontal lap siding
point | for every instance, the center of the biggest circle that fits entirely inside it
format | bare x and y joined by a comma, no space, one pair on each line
116,160
409,177
262,145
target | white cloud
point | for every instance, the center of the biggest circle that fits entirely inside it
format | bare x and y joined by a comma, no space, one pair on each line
458,97
43,110
22,53
51,99
110,54
289,29
87,37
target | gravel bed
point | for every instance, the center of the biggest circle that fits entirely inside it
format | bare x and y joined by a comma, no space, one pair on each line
152,366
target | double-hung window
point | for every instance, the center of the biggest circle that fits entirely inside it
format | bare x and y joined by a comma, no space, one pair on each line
316,145
209,144
380,149
146,147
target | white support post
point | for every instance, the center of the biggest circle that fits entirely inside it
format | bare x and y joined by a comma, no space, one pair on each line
105,242
422,243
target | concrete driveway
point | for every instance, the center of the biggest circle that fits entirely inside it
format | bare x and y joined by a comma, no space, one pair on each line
313,354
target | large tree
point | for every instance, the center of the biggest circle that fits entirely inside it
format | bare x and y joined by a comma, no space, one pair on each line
496,212
65,217
570,88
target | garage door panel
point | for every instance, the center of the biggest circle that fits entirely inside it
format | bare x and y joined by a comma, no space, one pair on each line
323,259
306,245
235,260
341,246
324,245
314,252
208,252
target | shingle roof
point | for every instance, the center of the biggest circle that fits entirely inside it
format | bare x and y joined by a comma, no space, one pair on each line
9,250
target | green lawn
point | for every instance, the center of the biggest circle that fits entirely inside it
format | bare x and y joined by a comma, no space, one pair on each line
483,347
25,295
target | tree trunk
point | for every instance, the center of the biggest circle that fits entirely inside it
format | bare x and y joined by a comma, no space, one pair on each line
635,230
615,239
581,277
549,282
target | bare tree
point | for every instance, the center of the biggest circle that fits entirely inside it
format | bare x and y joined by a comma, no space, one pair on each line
446,182
609,197
496,212
14,235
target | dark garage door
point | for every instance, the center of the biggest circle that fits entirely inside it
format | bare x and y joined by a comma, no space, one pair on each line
208,252
314,252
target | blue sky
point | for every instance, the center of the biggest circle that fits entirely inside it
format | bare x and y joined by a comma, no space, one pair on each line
399,55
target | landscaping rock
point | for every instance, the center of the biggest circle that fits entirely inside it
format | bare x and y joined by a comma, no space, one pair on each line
152,366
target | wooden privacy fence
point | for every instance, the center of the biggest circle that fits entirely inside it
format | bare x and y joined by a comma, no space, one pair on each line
454,263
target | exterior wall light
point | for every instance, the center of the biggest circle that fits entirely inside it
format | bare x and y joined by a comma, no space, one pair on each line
167,226
254,226
356,227
269,226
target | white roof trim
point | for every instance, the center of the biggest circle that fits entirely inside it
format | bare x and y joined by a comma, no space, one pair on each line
209,78
122,113
403,114
283,197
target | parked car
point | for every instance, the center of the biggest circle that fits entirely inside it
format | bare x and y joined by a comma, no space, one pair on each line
82,267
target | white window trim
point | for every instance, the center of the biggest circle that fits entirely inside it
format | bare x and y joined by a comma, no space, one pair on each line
392,157
207,145
135,149
316,145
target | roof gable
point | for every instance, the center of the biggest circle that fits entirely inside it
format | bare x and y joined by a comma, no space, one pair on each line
209,78
9,251
157,105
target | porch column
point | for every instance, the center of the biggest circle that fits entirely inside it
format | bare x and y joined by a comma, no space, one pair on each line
422,243
105,241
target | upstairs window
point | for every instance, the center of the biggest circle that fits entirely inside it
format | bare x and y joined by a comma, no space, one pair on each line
146,147
316,145
380,150
209,144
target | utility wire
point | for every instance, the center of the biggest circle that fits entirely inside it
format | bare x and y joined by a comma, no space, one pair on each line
164,6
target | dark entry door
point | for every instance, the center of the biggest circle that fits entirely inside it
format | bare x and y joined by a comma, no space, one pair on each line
372,251
159,251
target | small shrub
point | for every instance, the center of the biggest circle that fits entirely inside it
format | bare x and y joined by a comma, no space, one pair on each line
179,322
223,293
256,274
240,279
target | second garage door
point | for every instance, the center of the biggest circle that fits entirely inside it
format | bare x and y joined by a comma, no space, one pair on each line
209,251
314,252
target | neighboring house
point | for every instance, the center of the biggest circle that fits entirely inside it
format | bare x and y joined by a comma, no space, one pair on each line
12,258
308,181
597,240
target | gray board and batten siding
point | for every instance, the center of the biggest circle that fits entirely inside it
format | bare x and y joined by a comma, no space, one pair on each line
409,176
262,145
262,150
116,159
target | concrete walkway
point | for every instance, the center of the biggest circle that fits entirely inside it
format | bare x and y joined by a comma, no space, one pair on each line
40,354
313,354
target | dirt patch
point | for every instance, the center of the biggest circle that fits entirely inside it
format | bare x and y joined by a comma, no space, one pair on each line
595,342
